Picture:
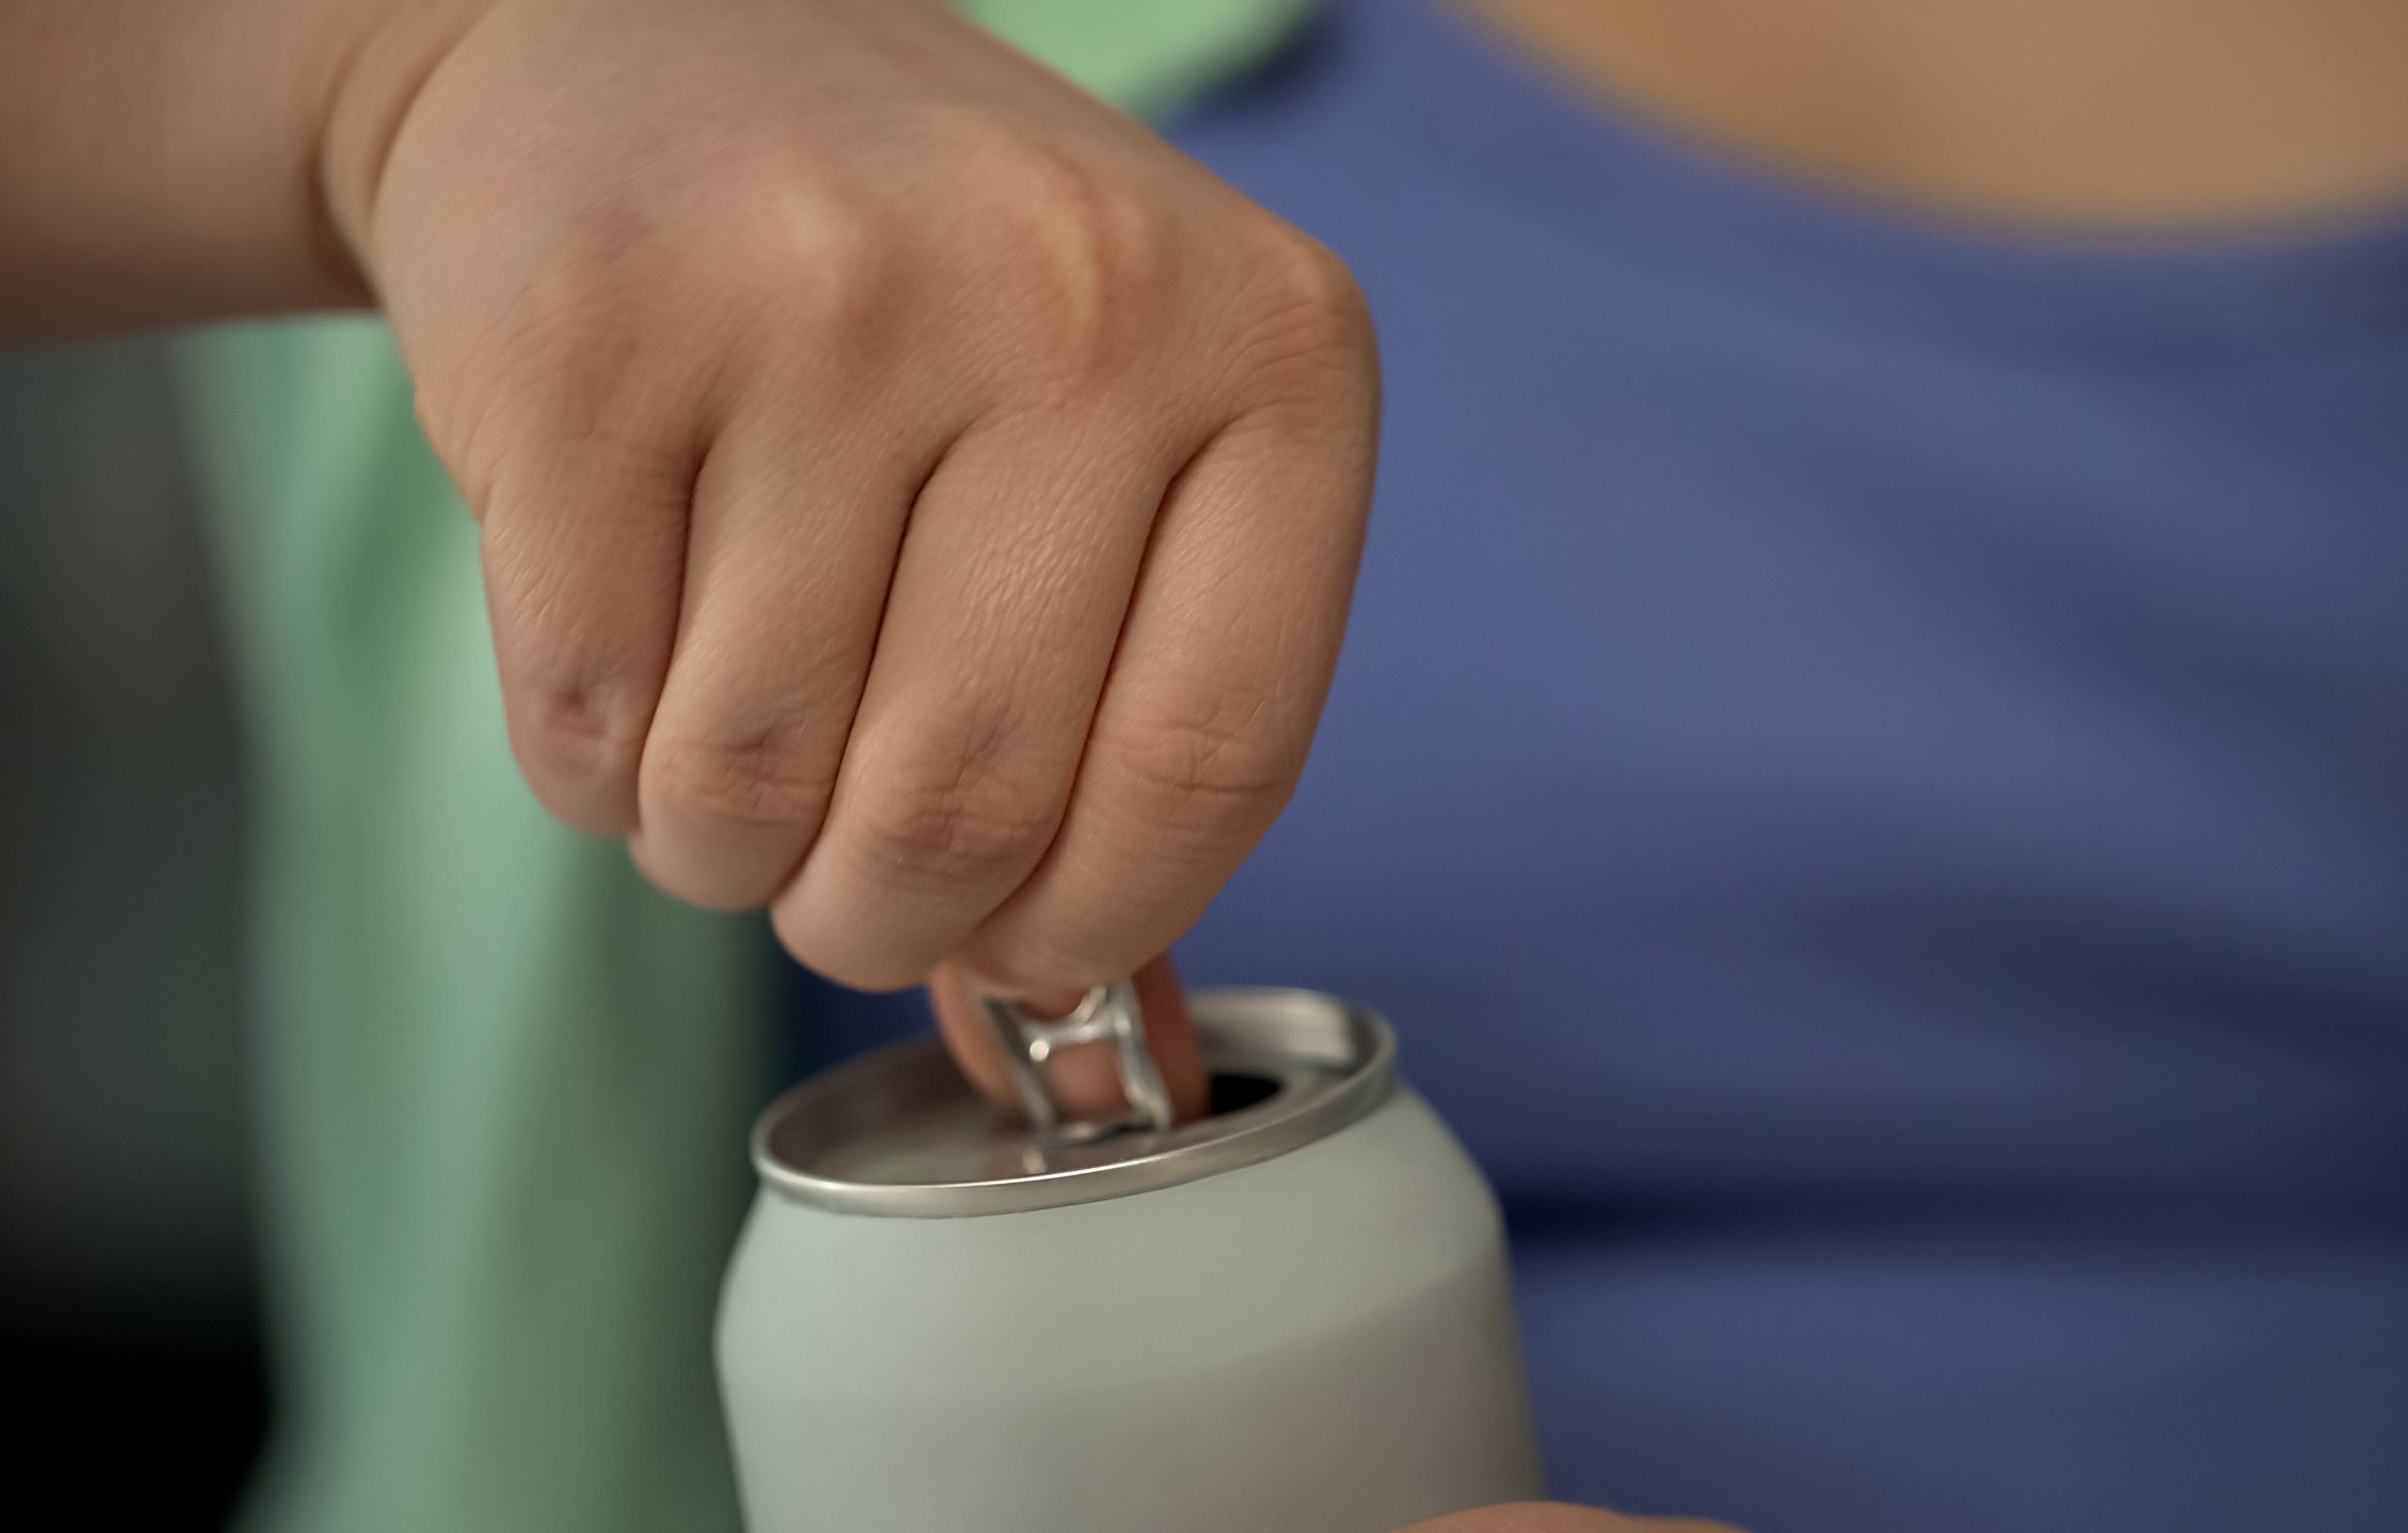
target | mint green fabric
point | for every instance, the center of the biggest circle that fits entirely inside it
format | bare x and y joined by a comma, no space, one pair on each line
1149,55
504,1085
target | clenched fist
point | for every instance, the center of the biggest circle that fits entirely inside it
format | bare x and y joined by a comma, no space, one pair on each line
914,496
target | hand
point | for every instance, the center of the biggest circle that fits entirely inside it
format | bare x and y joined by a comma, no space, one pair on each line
1552,1518
913,498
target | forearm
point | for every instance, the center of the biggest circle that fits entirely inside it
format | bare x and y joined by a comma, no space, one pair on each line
165,160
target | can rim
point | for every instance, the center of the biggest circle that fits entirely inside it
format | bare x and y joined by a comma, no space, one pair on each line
1241,1031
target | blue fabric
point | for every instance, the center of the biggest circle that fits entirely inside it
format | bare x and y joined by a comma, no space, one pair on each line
1872,773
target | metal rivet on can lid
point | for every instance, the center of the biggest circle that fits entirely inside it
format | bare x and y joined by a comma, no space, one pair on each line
899,1133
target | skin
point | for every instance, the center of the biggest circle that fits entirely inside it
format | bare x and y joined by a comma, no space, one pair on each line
2105,115
915,500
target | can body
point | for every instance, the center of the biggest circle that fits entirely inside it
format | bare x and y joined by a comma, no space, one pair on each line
1322,1342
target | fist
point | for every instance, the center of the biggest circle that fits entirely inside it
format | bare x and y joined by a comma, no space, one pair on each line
913,498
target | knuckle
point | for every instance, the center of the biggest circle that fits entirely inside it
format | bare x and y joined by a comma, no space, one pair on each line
975,832
1317,287
1211,767
737,784
579,745
1087,254
1310,338
949,810
637,307
839,264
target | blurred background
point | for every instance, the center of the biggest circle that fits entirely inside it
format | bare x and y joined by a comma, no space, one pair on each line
128,1283
2043,1036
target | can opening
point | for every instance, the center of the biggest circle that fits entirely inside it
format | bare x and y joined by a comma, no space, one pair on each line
901,1132
1235,1093
1229,1091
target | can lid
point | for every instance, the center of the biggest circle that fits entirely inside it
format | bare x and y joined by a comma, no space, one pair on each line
899,1133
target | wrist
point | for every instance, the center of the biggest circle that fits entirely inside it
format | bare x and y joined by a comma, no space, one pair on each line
394,51
168,162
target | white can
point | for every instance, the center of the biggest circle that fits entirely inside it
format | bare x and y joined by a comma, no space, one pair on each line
1291,1317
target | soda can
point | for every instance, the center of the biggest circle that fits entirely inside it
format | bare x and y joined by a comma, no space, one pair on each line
1292,1316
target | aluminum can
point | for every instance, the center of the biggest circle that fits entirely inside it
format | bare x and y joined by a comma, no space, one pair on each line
1292,1316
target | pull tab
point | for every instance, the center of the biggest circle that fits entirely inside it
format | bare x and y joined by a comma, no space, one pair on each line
1106,1013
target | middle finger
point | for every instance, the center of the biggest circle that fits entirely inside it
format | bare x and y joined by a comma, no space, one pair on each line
1007,599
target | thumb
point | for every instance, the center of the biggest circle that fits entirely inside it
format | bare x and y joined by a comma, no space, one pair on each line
1085,1078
